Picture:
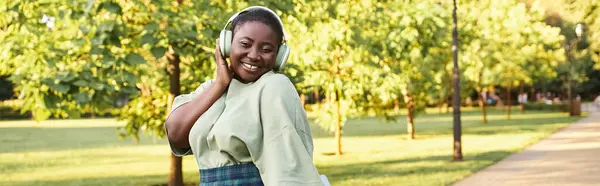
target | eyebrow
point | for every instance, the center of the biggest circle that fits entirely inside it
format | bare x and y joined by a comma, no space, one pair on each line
252,40
246,37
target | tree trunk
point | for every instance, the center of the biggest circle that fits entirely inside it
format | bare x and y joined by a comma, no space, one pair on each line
396,106
482,101
443,99
175,175
533,96
521,93
440,105
456,126
508,101
447,105
410,106
92,113
570,96
316,94
338,124
482,105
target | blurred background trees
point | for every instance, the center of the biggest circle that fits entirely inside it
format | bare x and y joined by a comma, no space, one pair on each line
349,59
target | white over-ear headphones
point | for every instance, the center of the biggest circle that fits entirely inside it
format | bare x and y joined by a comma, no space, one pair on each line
226,36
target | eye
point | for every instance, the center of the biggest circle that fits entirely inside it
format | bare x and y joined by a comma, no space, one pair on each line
245,44
266,49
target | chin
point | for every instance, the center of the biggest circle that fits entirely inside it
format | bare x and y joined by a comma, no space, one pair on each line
247,77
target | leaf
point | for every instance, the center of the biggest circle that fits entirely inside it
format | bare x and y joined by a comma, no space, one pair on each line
40,114
114,39
129,77
60,88
79,42
148,38
65,76
107,60
107,26
151,27
135,59
191,35
80,83
81,98
177,50
207,32
97,86
73,114
97,41
50,101
84,29
111,7
50,63
158,52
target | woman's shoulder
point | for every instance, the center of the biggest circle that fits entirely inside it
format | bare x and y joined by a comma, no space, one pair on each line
276,81
272,78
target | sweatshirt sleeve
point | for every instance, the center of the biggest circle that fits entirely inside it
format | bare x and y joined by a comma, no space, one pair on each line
178,102
286,157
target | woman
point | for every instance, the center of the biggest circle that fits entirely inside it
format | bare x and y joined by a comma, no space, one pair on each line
247,126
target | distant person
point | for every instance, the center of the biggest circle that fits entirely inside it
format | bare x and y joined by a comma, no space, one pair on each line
522,98
597,101
247,126
556,100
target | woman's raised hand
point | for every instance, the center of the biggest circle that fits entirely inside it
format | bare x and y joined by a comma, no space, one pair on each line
224,72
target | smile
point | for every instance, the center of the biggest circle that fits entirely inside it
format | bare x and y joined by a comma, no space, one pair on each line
250,67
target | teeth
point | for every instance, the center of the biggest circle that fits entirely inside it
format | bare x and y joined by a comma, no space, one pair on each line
249,66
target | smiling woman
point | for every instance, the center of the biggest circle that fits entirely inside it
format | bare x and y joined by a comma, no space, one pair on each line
246,127
253,51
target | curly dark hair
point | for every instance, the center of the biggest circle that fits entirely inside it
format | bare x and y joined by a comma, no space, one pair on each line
260,15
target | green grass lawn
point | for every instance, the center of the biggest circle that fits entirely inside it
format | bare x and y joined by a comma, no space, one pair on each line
88,152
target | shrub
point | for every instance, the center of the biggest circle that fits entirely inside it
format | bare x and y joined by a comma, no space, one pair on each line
542,106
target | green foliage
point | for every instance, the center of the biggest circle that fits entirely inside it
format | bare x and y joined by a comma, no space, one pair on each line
415,56
498,31
366,54
546,107
64,67
587,13
10,112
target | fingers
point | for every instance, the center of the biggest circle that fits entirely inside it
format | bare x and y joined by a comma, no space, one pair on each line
218,58
217,50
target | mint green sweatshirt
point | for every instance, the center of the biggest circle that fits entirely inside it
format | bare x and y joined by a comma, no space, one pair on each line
262,123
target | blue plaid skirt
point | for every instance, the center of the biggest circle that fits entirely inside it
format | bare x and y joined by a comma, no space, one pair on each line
234,175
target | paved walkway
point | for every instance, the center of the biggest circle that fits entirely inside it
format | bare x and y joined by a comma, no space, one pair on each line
568,157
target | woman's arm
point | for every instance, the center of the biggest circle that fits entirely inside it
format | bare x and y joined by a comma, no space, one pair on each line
181,120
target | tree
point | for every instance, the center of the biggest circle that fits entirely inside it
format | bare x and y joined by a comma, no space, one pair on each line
457,155
412,44
94,52
334,54
522,31
54,65
587,12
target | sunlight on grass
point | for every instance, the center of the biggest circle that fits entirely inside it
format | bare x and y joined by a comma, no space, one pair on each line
58,123
88,152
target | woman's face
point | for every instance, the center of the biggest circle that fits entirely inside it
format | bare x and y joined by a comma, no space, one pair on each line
253,51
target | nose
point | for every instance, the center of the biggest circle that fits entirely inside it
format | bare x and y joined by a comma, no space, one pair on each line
253,54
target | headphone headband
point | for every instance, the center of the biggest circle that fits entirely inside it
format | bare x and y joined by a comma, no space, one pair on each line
230,21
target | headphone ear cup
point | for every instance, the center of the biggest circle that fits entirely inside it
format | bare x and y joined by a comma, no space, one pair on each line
225,43
282,56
